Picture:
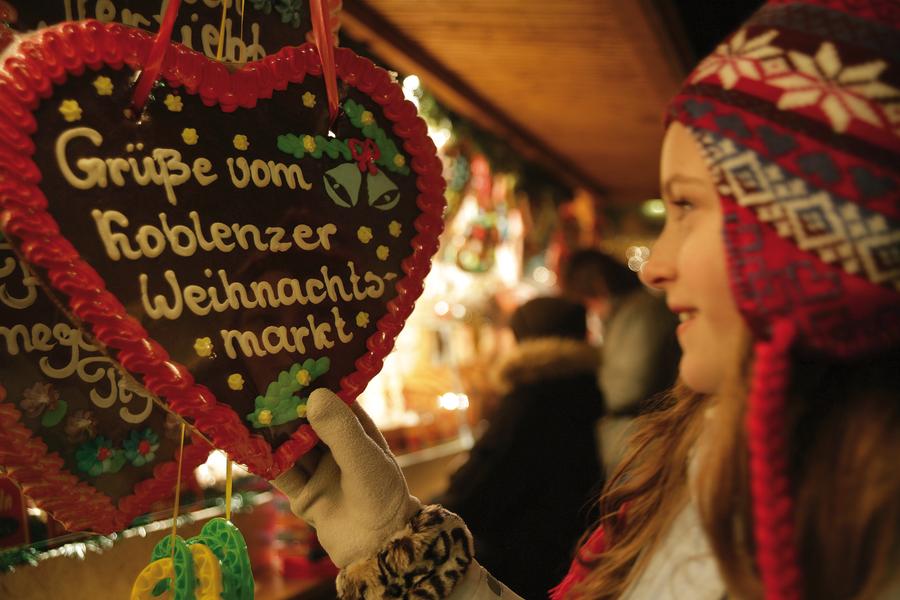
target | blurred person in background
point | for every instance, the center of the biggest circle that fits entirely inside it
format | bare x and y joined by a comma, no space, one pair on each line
640,352
530,477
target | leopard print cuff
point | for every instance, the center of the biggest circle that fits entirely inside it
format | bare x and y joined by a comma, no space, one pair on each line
424,560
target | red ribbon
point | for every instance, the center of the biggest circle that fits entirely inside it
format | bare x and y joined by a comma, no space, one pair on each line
365,154
321,25
155,58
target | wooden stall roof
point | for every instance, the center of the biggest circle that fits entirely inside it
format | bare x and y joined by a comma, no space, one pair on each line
577,85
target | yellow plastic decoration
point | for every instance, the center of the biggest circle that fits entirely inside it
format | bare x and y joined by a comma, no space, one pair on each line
208,572
145,584
211,566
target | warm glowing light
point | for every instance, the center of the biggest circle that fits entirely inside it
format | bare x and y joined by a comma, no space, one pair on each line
212,472
411,83
637,256
453,401
440,136
654,209
441,308
544,276
458,311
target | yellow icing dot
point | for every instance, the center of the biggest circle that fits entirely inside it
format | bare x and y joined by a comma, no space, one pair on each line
236,381
104,86
364,234
203,346
362,319
382,252
395,228
265,416
309,143
303,377
309,99
189,135
70,110
301,411
367,118
399,160
173,103
240,142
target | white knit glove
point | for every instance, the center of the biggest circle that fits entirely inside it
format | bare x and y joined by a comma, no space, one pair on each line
355,496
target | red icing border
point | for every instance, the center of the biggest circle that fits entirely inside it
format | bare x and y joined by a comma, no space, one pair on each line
46,59
71,501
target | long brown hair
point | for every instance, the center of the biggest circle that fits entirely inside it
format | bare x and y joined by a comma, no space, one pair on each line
845,444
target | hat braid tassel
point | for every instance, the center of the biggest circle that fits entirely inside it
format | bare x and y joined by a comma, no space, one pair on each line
773,506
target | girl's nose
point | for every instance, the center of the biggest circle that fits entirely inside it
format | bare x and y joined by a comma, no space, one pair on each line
658,270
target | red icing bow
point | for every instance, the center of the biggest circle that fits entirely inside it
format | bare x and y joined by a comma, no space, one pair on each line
365,154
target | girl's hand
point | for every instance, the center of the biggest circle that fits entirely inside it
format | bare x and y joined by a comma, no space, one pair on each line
353,493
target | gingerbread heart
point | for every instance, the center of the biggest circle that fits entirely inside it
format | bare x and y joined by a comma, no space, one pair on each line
229,248
84,441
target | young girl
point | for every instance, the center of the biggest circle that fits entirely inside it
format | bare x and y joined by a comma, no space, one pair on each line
771,470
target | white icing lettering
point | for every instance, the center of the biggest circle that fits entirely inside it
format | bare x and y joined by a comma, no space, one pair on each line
62,141
281,338
201,167
28,281
185,239
163,167
263,173
43,339
224,294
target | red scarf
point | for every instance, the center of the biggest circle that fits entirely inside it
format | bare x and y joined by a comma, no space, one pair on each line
594,547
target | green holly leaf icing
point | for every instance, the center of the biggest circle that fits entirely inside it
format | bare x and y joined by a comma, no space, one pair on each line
281,404
389,158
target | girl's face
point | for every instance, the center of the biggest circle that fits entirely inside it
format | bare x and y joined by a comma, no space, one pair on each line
688,263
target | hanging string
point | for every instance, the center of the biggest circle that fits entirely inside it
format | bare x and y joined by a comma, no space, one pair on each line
150,72
321,24
222,30
177,491
228,490
242,23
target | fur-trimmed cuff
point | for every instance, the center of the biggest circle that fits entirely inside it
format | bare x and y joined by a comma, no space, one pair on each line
424,560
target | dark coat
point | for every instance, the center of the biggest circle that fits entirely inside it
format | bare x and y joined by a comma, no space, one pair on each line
530,480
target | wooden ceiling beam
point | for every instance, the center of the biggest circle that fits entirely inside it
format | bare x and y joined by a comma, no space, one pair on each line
368,26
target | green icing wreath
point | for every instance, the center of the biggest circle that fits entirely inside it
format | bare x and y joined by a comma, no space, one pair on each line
389,157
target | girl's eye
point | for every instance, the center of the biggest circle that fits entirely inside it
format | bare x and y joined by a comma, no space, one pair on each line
682,206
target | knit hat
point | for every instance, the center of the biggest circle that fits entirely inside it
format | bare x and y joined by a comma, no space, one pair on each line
798,116
549,316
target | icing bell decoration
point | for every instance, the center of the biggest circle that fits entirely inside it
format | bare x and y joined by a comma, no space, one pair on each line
83,439
229,246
